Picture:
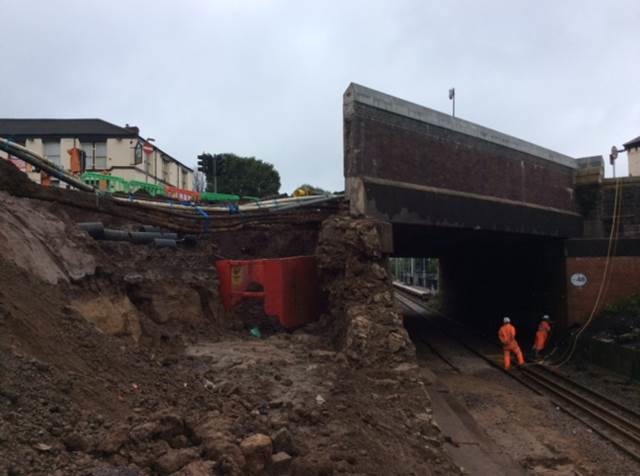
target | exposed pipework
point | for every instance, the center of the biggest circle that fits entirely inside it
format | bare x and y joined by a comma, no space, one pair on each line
38,161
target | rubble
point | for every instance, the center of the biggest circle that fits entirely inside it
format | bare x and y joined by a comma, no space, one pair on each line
353,274
257,450
118,359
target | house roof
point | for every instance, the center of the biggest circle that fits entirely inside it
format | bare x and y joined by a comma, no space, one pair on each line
63,128
67,128
632,143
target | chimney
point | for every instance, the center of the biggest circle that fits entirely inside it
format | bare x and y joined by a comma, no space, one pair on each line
133,129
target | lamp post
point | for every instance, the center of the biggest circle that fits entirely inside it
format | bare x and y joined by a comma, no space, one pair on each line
155,160
215,174
452,96
612,158
148,140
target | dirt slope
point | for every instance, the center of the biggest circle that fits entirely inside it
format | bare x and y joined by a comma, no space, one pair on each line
117,359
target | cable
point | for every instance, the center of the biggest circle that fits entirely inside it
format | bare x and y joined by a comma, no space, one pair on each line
606,275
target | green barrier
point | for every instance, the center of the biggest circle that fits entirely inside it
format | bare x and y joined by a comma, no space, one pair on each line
218,197
113,183
118,184
151,188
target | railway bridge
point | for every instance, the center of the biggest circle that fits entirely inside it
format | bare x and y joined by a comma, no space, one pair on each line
497,211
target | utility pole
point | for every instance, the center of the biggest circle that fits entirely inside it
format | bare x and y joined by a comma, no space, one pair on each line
215,174
413,263
452,96
612,158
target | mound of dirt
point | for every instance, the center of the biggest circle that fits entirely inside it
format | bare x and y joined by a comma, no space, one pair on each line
358,288
41,243
14,181
117,359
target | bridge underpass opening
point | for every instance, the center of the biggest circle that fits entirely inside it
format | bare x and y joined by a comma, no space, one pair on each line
484,276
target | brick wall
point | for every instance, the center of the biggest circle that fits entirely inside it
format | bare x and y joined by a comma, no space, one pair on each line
624,282
382,144
629,196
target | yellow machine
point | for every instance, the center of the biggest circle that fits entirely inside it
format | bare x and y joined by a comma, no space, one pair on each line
304,191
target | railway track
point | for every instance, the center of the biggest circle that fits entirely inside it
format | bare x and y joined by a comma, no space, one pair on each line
606,417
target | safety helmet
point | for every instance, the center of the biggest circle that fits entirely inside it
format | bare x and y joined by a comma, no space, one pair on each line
506,320
545,317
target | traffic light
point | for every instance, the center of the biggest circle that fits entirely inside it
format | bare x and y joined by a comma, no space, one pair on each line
204,163
212,165
219,165
201,163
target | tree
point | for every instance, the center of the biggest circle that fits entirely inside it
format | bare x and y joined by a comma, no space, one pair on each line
244,176
199,182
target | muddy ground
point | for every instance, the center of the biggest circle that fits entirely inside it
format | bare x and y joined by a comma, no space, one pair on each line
510,426
118,359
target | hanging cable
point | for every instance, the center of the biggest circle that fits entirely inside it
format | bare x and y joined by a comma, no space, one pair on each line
606,274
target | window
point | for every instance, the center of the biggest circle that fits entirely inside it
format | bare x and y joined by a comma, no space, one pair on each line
137,154
100,155
185,179
165,169
96,155
52,152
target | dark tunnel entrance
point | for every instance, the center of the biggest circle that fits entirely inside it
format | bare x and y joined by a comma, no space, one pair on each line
484,276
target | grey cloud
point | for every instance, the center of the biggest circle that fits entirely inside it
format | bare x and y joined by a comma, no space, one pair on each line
265,78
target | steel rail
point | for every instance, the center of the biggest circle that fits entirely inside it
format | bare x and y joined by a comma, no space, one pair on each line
412,306
595,411
585,404
608,401
440,355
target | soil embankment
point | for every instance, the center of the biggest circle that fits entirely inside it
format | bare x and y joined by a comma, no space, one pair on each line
117,359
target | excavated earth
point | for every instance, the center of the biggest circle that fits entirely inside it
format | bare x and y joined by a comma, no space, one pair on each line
118,359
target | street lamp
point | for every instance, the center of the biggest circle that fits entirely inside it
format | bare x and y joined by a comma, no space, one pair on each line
452,96
146,165
612,158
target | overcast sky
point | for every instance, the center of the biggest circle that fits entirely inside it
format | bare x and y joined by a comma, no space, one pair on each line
265,78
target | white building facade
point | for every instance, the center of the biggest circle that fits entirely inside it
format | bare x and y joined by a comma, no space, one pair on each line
108,149
633,154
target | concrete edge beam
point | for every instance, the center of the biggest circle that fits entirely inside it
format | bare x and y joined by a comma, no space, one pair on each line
370,97
436,208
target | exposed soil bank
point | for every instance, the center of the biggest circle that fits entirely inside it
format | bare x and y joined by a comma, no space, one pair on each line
117,359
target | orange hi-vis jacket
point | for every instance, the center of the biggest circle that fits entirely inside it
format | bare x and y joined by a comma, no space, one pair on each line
507,335
542,335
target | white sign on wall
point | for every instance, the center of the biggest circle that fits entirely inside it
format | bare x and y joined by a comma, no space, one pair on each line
578,279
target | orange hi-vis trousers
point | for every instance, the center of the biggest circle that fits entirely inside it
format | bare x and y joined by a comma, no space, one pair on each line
507,335
515,348
542,336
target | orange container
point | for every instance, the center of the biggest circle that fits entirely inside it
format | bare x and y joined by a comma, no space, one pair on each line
289,287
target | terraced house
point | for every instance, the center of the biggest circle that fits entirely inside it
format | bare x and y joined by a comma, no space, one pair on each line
109,149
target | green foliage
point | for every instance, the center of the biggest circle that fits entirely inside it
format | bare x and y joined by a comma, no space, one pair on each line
245,176
432,266
629,306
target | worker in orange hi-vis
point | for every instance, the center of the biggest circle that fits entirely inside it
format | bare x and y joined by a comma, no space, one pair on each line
542,335
507,336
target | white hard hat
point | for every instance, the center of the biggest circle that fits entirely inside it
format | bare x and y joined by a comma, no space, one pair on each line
506,320
545,317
